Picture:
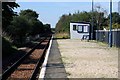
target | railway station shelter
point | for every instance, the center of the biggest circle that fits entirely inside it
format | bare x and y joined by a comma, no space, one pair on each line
79,30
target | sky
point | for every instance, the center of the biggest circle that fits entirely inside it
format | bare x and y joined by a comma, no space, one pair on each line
50,12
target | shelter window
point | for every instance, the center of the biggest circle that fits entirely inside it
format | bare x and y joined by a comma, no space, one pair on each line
85,28
74,27
80,28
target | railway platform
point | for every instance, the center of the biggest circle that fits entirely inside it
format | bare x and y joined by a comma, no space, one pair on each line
54,67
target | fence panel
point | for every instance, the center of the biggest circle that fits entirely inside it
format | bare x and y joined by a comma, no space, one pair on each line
103,36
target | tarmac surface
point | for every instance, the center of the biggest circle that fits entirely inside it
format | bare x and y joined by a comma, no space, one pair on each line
55,67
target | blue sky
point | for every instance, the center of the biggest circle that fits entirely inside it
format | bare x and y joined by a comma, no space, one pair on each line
50,12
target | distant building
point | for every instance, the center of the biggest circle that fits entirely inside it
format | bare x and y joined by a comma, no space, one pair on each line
79,29
119,7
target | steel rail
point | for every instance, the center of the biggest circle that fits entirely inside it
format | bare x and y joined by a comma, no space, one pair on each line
39,63
7,73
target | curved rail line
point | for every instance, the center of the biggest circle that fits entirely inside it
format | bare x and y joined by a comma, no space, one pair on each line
14,67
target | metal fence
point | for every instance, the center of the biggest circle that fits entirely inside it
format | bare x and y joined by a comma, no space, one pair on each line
103,36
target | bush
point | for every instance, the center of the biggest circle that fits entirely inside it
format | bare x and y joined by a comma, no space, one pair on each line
7,47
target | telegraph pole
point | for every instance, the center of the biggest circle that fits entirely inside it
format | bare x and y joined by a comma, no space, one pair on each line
92,21
110,33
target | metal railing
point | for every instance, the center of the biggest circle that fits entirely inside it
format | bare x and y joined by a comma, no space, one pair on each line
103,36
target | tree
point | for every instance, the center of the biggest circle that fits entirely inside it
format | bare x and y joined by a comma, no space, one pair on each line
19,28
47,28
36,26
115,17
8,13
63,25
115,20
29,14
100,14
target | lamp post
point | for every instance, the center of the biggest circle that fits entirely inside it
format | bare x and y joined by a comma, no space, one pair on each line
110,33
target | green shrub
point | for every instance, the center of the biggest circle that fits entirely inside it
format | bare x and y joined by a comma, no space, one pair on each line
7,47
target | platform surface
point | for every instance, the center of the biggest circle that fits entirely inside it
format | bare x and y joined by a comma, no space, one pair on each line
55,67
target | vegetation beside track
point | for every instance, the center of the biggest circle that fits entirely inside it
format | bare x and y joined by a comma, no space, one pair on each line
7,47
20,28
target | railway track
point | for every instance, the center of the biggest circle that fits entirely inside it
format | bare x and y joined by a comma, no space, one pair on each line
27,67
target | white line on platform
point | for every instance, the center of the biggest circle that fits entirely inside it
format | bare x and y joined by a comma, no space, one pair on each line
43,68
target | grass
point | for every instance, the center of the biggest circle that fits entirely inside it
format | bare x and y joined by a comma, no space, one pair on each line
104,44
62,35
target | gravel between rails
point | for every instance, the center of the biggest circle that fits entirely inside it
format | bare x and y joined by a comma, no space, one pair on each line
11,59
24,71
84,59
